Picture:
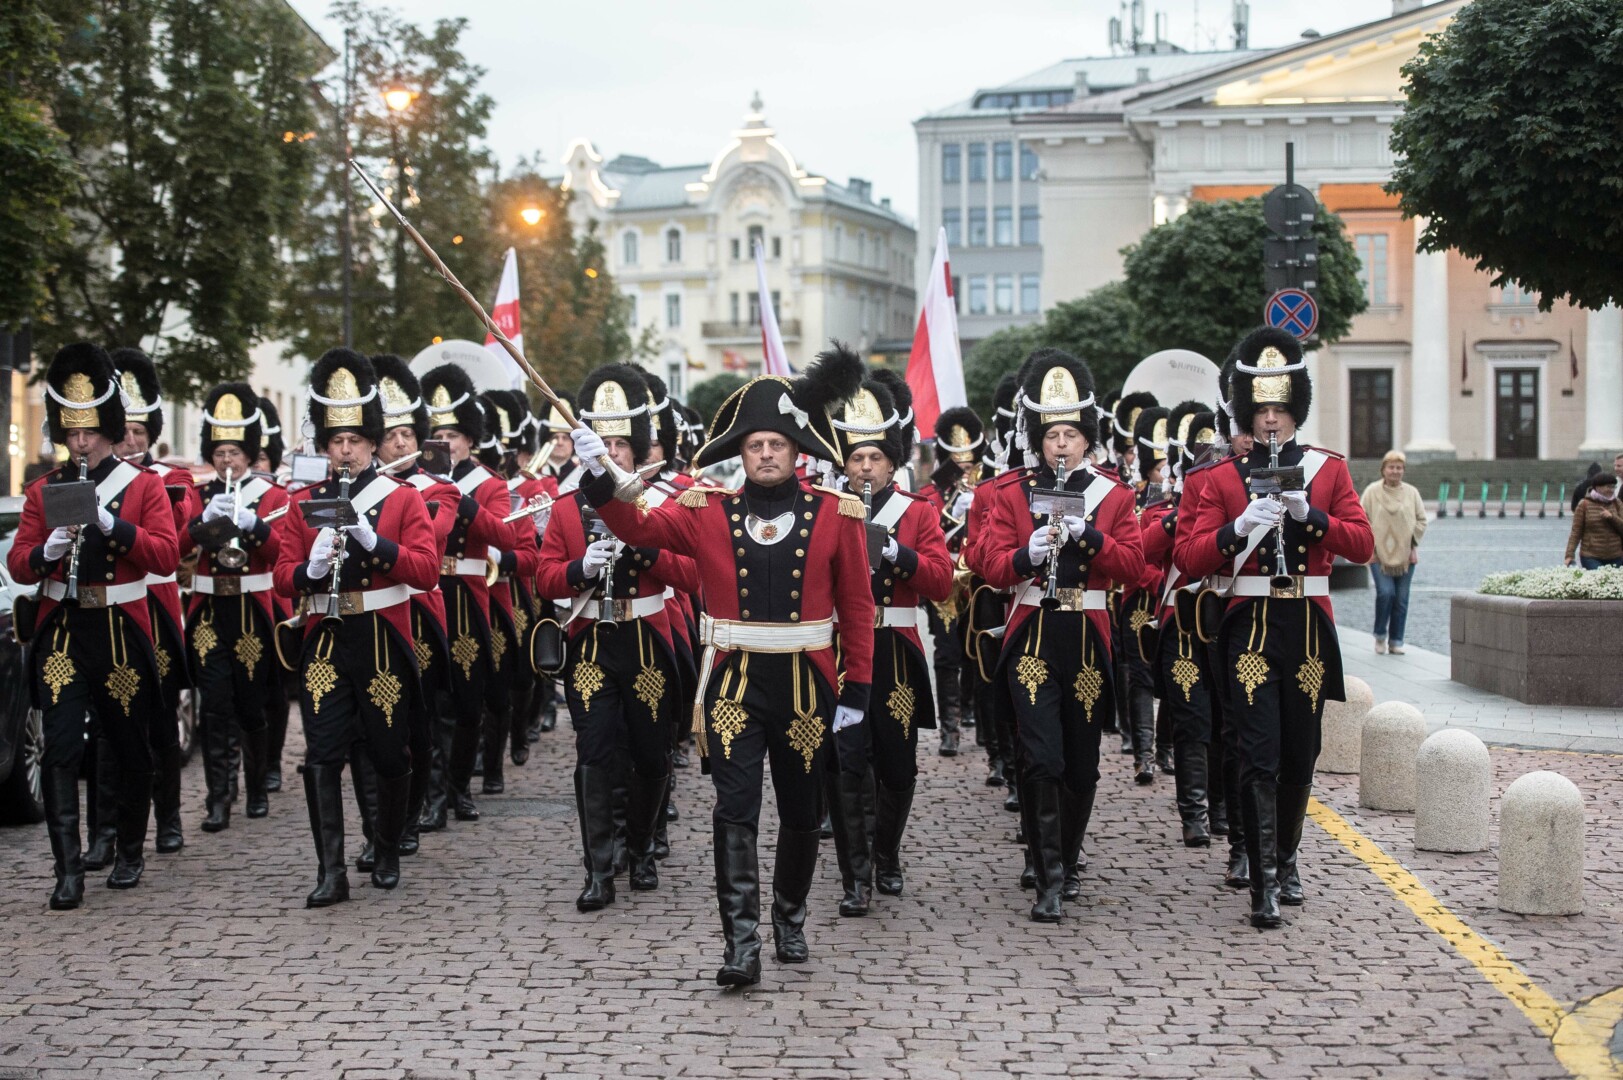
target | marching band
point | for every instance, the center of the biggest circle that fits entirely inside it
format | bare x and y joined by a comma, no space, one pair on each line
759,588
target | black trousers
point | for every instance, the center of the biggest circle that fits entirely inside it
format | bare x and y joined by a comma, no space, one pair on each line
234,658
1057,672
623,691
761,706
1185,697
1271,650
470,668
359,682
888,737
95,663
169,656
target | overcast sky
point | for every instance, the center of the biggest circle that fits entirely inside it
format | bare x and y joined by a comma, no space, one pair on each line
842,80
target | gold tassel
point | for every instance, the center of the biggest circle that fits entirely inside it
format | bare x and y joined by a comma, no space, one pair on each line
694,498
851,507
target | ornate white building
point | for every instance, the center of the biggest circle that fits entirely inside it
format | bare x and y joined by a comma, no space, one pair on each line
679,240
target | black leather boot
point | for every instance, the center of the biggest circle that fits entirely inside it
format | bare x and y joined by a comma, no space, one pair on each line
949,712
1141,718
1217,800
1028,835
233,757
645,813
1262,850
1238,874
393,797
275,738
253,772
662,835
994,771
894,808
61,790
622,801
1011,801
324,796
1292,813
851,842
594,789
549,707
792,873
101,805
464,748
495,741
217,773
1189,776
1163,742
1124,713
1050,860
437,792
364,779
738,895
416,799
166,800
1076,809
134,808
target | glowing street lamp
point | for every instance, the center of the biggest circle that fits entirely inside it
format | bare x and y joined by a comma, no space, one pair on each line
532,214
398,98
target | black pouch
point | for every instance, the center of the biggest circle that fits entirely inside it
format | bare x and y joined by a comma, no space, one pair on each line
547,653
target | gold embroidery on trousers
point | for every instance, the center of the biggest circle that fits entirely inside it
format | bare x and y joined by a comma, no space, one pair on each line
320,677
162,655
384,689
123,682
58,670
588,676
1185,672
498,645
424,651
249,648
204,639
806,730
1252,667
465,649
900,701
1032,670
728,715
521,620
1310,676
649,685
1090,682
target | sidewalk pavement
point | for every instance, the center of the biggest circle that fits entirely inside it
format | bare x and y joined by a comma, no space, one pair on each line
1421,678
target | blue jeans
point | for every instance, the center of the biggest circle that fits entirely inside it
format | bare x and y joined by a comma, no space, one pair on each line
1596,564
1391,603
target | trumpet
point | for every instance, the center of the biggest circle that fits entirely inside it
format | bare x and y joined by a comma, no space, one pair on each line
277,514
232,556
399,463
1050,599
335,599
1281,579
539,504
78,539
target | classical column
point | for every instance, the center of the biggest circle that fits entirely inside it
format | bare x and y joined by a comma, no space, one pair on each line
1429,392
1603,383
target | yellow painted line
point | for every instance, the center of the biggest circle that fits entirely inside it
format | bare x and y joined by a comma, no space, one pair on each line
1580,1036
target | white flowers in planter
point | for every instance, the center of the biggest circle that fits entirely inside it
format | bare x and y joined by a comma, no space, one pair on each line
1556,583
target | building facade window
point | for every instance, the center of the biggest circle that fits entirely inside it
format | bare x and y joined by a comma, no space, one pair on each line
1372,263
977,162
1028,225
673,310
1515,294
977,294
628,249
839,240
1003,226
1030,294
957,294
1369,415
631,309
1003,294
953,221
757,236
952,163
755,309
673,246
734,308
1002,161
1028,163
862,247
777,247
1516,413
977,227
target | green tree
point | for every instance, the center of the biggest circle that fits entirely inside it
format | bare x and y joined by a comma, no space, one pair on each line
179,116
39,174
1197,282
1511,145
428,159
989,358
1102,328
706,397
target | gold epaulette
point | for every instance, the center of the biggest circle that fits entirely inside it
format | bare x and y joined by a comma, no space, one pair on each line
850,505
697,498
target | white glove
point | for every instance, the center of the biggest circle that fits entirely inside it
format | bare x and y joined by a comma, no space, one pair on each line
598,554
247,520
1296,503
364,534
321,554
892,550
104,520
59,543
1075,525
845,716
960,505
1039,545
1258,514
218,507
590,449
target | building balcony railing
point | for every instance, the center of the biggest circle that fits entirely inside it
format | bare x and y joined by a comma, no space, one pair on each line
789,328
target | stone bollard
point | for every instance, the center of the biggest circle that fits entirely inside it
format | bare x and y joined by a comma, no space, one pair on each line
1343,728
1393,732
1453,782
1541,846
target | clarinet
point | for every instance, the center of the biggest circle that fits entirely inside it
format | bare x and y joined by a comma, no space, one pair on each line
335,604
78,539
1281,579
1051,593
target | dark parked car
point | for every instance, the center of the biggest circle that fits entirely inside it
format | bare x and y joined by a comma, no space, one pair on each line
21,737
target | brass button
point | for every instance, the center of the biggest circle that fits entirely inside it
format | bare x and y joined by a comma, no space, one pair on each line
800,553
745,613
743,592
740,552
735,517
808,515
738,532
110,577
794,594
743,572
794,616
794,573
805,532
365,582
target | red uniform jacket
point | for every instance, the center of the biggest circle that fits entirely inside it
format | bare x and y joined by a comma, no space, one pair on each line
480,515
262,545
1335,524
404,555
1112,546
923,568
832,564
142,540
166,594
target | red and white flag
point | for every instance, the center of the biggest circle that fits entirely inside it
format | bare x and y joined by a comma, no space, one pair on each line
935,370
504,312
776,361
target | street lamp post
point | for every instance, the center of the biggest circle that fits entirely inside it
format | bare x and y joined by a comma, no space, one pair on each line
398,99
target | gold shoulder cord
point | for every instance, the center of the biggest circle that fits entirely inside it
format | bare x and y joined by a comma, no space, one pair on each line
1310,676
123,682
649,685
1031,669
249,648
320,677
728,715
901,700
1252,667
385,688
58,669
806,729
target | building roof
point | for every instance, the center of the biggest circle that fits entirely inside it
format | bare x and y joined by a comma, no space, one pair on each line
647,186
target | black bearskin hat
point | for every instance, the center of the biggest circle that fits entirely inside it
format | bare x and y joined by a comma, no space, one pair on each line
797,409
1269,370
664,416
524,425
1178,420
1201,435
139,380
1150,436
231,414
488,450
448,393
403,404
960,442
82,391
1224,414
344,397
1124,418
902,395
1003,414
869,418
1056,388
273,445
614,402
552,421
692,433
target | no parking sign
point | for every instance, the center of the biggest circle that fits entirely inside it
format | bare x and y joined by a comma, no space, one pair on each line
1293,311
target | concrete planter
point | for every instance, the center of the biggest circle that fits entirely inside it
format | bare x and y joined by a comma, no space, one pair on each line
1543,652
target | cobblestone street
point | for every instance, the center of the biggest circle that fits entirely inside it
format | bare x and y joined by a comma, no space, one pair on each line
479,965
